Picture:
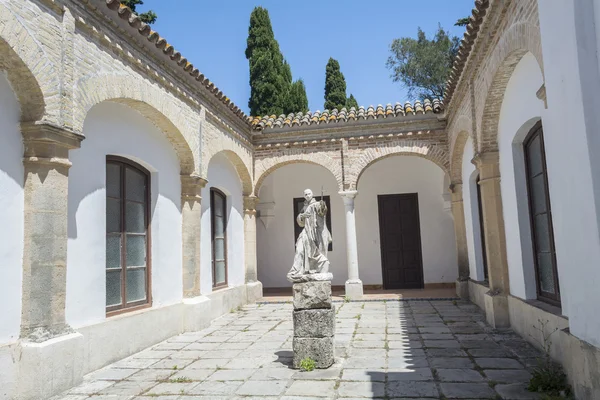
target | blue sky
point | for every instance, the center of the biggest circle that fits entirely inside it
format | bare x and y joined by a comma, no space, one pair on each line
212,35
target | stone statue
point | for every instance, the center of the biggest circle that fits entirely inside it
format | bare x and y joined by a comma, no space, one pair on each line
310,261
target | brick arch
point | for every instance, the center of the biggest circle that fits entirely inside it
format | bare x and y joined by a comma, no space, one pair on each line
432,152
240,167
520,39
148,100
20,55
461,131
266,166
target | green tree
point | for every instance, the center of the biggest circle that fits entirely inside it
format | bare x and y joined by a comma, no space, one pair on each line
463,21
422,65
148,17
335,86
351,102
270,74
297,100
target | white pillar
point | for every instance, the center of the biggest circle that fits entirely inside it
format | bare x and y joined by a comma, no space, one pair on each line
354,286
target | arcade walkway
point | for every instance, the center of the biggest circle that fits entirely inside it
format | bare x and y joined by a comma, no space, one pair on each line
391,349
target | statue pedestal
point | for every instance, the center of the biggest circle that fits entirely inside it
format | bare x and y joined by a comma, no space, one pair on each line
314,323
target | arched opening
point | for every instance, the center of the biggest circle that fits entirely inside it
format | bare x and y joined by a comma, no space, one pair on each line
404,226
115,129
11,212
222,226
280,194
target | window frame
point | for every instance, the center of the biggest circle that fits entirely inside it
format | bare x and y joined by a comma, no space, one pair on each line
537,131
124,307
216,192
299,201
482,229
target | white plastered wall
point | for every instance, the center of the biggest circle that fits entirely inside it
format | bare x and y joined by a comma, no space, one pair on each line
471,209
520,110
223,176
571,125
275,227
406,174
11,213
115,129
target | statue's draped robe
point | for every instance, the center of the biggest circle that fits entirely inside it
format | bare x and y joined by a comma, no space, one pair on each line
312,244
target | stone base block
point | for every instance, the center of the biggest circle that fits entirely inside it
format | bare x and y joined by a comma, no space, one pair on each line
196,312
496,310
318,323
320,350
49,367
311,295
462,289
354,289
255,291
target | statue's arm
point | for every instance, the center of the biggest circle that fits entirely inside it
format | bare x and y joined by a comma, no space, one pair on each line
322,208
300,220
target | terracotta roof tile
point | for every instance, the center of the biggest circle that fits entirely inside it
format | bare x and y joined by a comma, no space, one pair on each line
466,44
345,115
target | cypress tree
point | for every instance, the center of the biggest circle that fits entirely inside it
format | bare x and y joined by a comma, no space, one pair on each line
298,101
335,86
268,80
351,102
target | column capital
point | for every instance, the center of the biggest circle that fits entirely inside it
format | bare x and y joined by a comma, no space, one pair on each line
456,192
348,197
191,186
250,203
48,144
488,164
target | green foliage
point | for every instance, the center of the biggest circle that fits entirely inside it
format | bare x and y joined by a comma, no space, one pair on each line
548,377
308,364
148,17
463,21
423,65
181,379
272,91
335,86
351,102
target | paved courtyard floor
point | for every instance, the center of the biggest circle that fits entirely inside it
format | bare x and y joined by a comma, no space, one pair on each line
384,349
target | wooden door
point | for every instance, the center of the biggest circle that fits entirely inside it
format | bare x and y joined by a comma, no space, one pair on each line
400,235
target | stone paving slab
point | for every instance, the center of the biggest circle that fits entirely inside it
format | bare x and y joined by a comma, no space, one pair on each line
385,349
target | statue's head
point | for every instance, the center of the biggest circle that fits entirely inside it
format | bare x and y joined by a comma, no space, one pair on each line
308,195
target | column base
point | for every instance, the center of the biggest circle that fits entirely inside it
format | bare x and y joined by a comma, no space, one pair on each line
496,310
462,289
50,367
254,291
354,289
196,314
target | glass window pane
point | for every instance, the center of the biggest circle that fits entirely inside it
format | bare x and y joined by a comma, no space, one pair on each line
546,273
219,205
135,185
113,252
219,272
113,215
135,217
219,249
219,227
113,288
538,194
136,285
534,156
113,180
542,233
136,251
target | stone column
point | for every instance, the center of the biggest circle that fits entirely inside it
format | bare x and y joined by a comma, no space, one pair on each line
460,234
253,286
496,302
191,215
46,162
354,286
